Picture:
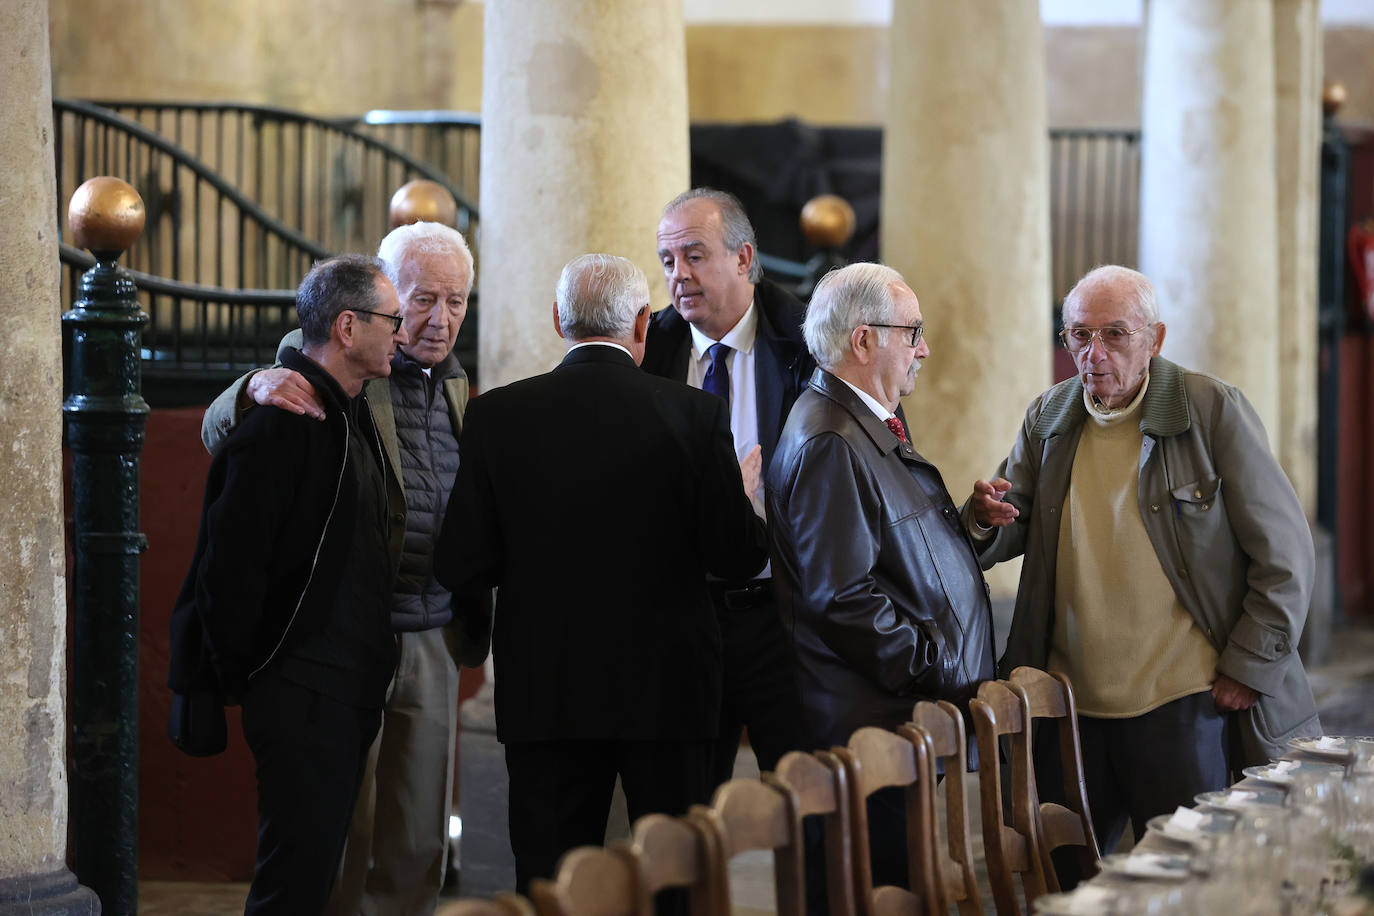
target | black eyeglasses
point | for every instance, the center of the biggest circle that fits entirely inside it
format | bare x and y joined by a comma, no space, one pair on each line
394,319
915,329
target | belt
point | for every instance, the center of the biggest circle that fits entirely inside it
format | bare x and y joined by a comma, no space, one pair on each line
735,597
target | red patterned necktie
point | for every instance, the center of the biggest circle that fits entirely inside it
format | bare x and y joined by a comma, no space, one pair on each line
898,430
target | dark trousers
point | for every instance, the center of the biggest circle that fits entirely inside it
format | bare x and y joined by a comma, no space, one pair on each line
760,684
310,751
560,792
1138,768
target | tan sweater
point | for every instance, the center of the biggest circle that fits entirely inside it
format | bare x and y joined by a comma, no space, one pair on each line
1120,634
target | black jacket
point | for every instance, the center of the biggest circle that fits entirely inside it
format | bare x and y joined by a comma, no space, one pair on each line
876,578
276,526
596,498
782,363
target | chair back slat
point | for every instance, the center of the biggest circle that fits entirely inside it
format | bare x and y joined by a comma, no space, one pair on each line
750,814
944,728
591,881
820,785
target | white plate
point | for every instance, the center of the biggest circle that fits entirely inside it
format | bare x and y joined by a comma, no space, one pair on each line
1216,824
1272,774
1154,866
1335,747
1241,799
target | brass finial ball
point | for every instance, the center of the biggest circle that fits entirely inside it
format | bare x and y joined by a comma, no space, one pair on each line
827,221
423,201
1333,97
106,215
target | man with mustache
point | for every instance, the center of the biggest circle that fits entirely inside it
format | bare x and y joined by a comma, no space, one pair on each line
1168,565
877,582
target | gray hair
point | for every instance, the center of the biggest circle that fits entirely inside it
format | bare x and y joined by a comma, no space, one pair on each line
599,295
1137,288
845,298
422,238
333,286
737,229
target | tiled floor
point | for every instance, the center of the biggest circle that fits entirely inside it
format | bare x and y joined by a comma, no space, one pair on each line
1344,688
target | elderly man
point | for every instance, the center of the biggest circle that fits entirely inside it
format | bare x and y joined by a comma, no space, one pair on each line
1168,566
605,637
394,861
737,335
286,605
877,581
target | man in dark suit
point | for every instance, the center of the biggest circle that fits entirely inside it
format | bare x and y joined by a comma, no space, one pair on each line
598,498
738,335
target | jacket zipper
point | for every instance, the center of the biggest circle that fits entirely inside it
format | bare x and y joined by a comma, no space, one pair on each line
314,562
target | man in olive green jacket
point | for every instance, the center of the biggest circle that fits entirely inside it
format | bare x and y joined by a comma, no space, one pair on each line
1168,564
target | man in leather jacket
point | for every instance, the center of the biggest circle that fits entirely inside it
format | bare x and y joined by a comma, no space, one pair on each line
877,580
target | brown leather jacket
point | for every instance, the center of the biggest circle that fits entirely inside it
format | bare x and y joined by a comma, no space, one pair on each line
877,581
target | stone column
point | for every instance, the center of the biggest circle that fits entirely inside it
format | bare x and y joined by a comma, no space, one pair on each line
965,206
1298,89
33,792
1208,236
584,139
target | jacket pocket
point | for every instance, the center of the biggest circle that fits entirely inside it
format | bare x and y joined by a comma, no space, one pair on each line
1198,497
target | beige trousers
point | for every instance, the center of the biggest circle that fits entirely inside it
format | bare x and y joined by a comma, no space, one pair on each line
393,863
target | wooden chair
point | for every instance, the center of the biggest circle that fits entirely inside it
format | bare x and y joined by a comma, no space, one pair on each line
674,852
1009,848
820,785
750,814
502,904
877,759
944,726
592,881
1050,696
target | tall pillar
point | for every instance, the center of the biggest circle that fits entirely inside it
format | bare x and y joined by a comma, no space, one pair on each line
584,139
33,792
1208,235
1298,89
965,206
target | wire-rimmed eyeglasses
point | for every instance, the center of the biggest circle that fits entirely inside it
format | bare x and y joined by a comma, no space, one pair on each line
1113,338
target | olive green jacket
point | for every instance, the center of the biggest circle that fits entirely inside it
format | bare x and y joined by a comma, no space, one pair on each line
1239,557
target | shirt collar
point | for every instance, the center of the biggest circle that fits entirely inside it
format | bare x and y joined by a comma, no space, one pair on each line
739,338
1106,416
600,343
881,412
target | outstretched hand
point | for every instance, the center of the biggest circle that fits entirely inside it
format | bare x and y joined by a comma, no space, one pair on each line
287,389
988,507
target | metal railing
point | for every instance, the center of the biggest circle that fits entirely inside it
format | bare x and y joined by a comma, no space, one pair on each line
447,141
329,179
1094,202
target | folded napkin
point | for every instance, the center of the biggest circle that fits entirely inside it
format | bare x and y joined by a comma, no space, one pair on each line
1187,820
1087,900
1330,743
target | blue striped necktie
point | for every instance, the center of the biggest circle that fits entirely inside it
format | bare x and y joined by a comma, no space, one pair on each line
717,378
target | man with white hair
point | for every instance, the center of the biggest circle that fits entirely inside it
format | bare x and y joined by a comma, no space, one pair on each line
597,498
397,843
1168,565
877,582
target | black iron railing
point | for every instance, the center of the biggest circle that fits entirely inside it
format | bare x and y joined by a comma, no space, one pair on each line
329,179
447,141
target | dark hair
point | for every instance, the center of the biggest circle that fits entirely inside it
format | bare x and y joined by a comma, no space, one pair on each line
332,286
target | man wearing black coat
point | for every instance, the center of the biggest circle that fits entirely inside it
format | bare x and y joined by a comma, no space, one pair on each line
732,332
597,498
285,608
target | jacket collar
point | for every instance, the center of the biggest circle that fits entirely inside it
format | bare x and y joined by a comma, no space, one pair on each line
317,375
831,386
598,354
1164,412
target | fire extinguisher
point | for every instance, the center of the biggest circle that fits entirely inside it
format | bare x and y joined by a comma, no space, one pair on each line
1360,250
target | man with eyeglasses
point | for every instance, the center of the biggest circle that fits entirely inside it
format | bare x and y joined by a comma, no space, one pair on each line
286,607
1168,565
395,859
879,588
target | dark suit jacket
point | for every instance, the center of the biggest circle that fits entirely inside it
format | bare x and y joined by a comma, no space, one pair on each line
596,498
782,364
877,581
